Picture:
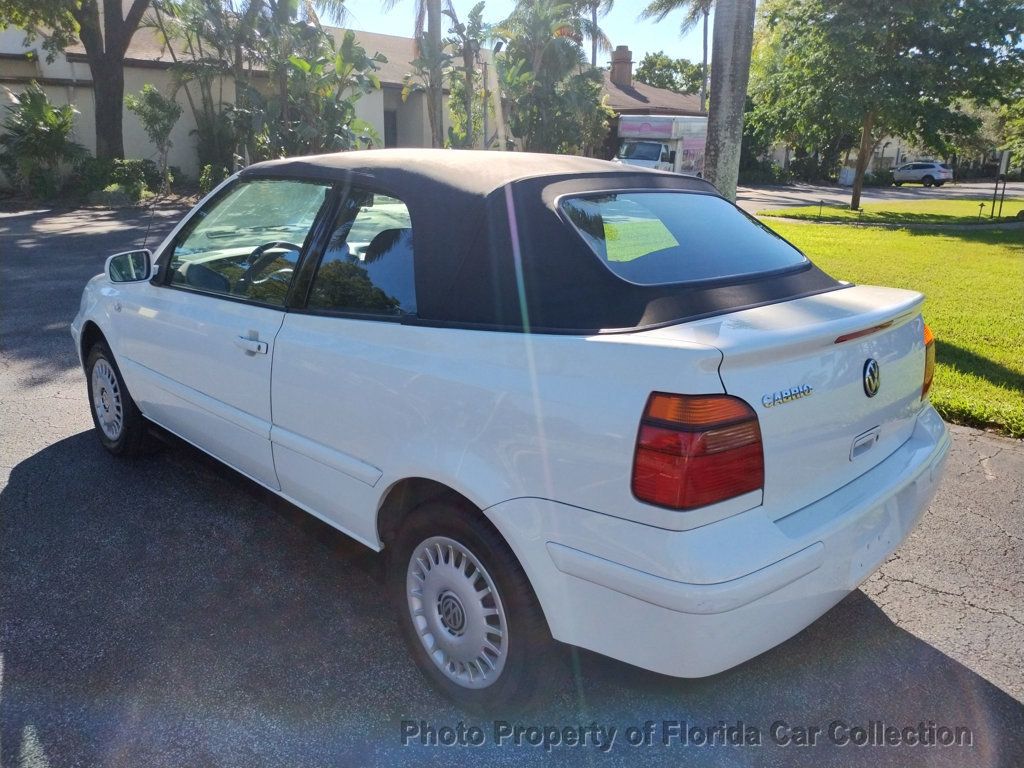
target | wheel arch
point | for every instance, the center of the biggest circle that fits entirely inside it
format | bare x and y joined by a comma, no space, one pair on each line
407,494
91,335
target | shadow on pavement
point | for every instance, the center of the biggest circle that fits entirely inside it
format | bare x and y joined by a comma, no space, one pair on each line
45,260
166,612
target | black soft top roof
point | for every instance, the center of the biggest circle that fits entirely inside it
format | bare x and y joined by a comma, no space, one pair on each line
436,171
492,251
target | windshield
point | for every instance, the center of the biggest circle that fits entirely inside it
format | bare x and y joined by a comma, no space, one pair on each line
640,150
657,238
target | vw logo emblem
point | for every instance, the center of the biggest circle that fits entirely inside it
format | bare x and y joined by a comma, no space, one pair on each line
453,615
872,377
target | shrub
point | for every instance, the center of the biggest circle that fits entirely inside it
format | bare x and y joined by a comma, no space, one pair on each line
211,176
36,142
158,115
764,172
878,179
92,174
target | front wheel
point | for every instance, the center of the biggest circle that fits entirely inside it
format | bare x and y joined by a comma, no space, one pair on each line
467,611
119,423
898,183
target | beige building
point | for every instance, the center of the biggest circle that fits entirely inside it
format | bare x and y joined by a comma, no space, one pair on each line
67,80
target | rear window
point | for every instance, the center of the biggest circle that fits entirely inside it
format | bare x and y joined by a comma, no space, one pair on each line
658,238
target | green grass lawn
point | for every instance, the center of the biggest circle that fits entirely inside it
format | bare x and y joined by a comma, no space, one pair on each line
974,284
910,212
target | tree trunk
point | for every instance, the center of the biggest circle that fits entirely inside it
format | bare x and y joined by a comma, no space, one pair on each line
105,51
108,95
732,41
863,155
704,69
593,33
435,93
467,97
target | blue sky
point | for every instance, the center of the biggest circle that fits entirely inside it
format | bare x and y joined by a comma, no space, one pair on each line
620,25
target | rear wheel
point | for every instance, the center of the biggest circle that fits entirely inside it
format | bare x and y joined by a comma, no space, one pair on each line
467,611
928,180
119,423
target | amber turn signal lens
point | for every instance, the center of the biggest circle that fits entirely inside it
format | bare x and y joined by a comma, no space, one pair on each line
929,361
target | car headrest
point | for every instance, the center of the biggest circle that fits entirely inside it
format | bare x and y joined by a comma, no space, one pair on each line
201,276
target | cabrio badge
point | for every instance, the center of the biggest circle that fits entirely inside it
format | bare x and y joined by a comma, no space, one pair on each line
787,395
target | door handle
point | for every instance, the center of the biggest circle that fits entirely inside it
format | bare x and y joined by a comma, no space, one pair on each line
252,346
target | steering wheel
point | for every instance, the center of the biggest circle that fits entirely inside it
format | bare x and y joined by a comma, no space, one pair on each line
263,256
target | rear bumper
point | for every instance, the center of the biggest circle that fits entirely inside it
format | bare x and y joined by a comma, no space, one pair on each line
696,602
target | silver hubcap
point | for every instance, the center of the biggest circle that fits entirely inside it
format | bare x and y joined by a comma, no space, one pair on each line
106,399
457,612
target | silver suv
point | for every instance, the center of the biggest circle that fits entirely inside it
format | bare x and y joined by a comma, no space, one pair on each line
927,173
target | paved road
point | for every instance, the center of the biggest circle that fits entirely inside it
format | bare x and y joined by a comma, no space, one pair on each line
167,612
753,199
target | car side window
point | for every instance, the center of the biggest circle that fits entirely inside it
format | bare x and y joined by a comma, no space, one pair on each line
367,267
246,243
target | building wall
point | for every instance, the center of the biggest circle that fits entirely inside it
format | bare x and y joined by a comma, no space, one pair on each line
70,82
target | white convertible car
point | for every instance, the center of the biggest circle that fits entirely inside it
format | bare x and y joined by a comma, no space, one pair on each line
572,400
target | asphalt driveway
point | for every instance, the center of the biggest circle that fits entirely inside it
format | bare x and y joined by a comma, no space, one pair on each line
167,612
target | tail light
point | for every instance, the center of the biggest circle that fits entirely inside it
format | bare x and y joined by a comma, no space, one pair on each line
694,450
929,361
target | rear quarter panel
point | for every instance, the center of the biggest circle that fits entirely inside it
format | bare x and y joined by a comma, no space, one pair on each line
493,415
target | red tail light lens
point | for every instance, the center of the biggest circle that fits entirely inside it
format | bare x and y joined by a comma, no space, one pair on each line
929,361
694,450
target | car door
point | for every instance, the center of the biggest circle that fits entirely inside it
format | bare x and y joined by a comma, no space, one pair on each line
342,363
198,342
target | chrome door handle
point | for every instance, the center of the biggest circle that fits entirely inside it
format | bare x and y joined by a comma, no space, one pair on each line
252,346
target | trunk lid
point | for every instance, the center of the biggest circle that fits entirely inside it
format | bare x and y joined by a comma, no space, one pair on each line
820,428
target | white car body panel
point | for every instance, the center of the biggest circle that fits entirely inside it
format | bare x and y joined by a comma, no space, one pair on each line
184,366
694,603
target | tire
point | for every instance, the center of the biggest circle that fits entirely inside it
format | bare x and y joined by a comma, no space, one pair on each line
897,183
928,180
447,552
120,425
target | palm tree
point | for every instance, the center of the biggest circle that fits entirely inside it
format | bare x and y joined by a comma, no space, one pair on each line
598,39
694,11
428,15
731,47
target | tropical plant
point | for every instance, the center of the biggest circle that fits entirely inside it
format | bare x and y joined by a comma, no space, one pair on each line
429,64
693,11
590,11
323,88
158,115
552,96
36,141
431,58
464,41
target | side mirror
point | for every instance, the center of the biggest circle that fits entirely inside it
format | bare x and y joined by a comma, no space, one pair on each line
129,267
672,157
